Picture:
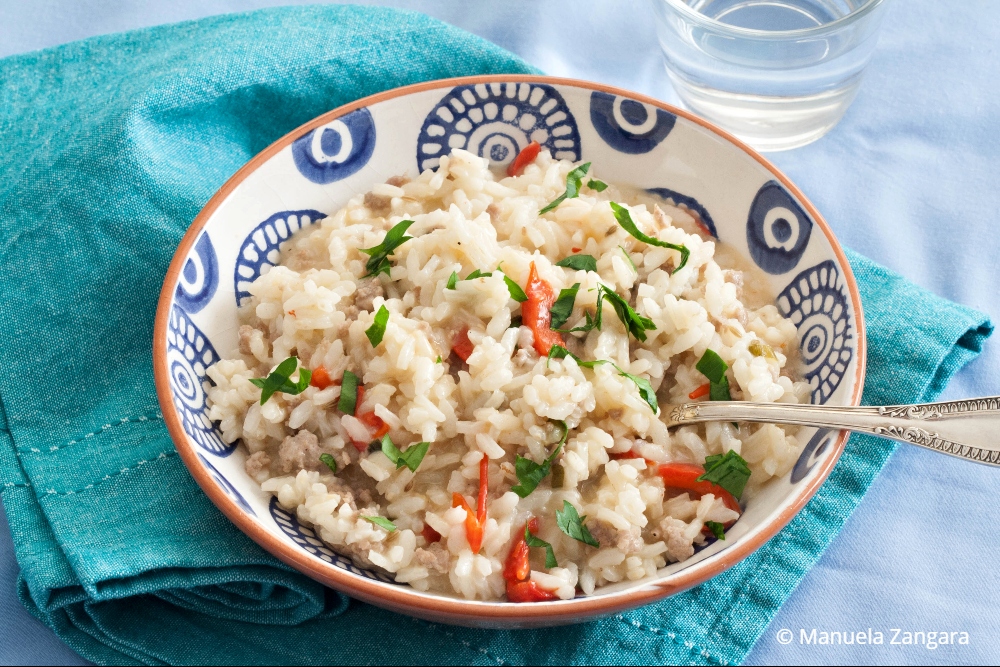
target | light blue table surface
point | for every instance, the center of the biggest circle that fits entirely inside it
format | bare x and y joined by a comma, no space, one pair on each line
909,178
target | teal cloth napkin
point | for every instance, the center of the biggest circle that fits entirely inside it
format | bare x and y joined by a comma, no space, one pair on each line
111,147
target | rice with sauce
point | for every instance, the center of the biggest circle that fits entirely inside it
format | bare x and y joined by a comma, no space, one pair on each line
505,400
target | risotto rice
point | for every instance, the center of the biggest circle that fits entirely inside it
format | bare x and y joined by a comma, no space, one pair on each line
459,367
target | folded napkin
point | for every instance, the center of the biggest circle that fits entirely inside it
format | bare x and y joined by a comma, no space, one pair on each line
111,147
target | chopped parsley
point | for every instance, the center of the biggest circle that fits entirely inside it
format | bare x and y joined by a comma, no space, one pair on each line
532,541
571,523
280,380
717,529
515,290
439,360
596,185
410,458
729,470
625,220
378,257
629,258
329,462
377,330
516,322
579,263
348,403
574,180
635,324
530,474
714,368
381,522
562,309
645,388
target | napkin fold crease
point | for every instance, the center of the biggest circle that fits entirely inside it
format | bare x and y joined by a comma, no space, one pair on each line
112,146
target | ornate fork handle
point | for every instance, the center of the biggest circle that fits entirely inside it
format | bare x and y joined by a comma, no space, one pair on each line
968,429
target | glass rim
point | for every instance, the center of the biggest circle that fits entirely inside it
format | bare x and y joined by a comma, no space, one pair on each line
691,14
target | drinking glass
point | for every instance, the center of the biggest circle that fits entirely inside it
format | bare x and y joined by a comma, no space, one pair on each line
776,73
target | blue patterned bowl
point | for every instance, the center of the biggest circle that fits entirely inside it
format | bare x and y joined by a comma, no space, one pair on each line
741,198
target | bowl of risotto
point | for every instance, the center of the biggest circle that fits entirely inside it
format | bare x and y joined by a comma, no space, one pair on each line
421,349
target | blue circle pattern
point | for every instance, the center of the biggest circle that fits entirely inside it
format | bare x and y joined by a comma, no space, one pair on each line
199,278
262,247
627,125
778,230
307,539
189,354
336,150
689,204
227,486
496,121
811,454
817,305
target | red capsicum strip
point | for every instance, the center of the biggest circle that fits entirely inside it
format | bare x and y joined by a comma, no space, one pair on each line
369,419
321,378
517,571
536,313
524,158
430,534
462,346
373,421
484,471
475,522
684,476
703,390
473,529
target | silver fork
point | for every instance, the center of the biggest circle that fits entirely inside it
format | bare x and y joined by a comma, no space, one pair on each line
968,429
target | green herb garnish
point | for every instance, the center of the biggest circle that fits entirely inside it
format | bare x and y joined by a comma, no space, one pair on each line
530,474
439,360
625,220
579,263
596,185
714,368
629,258
279,380
329,462
573,181
410,458
377,330
516,322
381,522
515,290
378,260
550,556
348,403
645,388
729,470
635,324
571,523
717,529
562,309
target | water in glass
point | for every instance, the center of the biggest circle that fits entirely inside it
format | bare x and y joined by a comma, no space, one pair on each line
777,73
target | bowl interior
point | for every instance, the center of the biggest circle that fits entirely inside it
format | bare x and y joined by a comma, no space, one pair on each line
631,140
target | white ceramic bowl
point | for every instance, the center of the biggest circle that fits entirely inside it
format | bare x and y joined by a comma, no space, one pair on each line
742,199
